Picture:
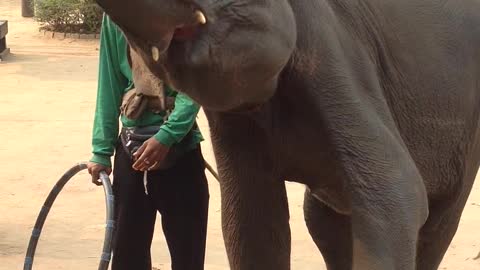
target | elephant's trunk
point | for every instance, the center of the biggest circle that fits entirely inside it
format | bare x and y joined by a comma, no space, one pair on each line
149,26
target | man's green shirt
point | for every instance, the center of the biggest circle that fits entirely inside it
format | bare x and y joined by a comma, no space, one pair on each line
114,79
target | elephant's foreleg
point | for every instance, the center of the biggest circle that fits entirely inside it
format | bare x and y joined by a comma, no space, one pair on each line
254,201
255,220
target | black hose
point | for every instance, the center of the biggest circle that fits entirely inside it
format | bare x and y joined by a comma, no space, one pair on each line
37,229
110,224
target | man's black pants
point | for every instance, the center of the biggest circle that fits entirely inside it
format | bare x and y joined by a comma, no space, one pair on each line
179,193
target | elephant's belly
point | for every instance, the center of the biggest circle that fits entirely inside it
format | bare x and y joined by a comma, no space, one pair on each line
321,178
332,198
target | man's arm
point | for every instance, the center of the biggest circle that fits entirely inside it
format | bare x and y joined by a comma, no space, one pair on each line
111,84
180,121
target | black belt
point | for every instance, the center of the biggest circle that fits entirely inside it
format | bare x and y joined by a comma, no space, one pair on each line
133,137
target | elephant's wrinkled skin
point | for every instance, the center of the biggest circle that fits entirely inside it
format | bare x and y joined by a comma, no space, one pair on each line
372,104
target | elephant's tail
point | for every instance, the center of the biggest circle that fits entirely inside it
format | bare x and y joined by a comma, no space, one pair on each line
211,170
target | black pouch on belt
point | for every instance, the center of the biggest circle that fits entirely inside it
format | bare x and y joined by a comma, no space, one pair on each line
132,138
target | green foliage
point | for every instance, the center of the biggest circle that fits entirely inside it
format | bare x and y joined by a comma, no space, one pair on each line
71,16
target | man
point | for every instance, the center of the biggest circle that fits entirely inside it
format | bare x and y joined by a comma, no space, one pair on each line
179,192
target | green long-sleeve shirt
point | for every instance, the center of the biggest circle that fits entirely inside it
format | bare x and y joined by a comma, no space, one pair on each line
114,79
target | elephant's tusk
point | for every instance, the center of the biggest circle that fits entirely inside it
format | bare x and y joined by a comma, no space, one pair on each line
155,53
200,17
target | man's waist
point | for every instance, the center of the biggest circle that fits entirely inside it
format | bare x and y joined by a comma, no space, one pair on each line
148,118
139,134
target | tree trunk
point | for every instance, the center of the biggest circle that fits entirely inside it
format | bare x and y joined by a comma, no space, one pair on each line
28,9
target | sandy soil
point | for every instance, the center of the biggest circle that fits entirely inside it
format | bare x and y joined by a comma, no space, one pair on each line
46,107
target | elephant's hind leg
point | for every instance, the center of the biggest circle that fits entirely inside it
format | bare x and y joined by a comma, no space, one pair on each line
330,231
436,235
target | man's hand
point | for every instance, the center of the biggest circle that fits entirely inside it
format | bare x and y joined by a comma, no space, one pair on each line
94,170
150,155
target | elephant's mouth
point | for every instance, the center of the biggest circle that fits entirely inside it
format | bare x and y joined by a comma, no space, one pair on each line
186,33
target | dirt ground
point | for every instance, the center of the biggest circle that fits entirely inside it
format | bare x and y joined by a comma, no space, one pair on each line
46,108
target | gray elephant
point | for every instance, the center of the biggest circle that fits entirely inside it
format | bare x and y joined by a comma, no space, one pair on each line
374,105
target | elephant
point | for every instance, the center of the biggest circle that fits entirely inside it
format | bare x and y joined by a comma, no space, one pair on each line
372,105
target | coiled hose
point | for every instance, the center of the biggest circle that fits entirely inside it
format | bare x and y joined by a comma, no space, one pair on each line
37,229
